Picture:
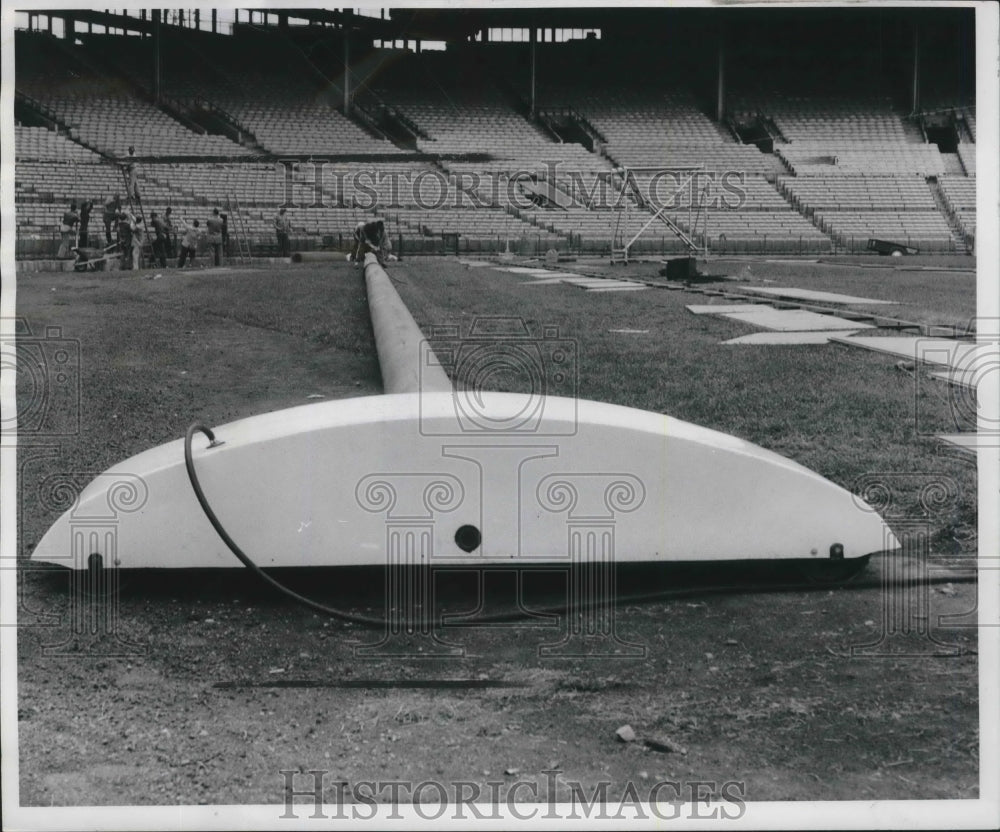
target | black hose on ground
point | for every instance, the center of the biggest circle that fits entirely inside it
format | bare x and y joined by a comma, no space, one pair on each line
505,617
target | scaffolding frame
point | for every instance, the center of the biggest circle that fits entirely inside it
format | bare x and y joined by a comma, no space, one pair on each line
621,242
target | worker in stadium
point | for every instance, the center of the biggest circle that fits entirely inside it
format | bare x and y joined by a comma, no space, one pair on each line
170,249
282,228
85,209
126,222
131,176
189,243
371,236
225,233
112,205
213,234
70,220
138,241
160,236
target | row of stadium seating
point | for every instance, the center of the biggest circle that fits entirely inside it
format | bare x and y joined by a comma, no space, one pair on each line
625,116
925,229
40,143
253,183
861,193
713,157
892,207
574,173
457,107
467,127
481,223
720,191
306,222
656,129
282,124
360,183
832,119
116,124
827,158
960,192
783,229
967,154
596,230
722,225
46,188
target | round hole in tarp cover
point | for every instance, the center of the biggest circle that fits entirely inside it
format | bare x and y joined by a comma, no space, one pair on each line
468,538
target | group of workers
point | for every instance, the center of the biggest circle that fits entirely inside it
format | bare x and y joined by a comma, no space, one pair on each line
132,231
126,233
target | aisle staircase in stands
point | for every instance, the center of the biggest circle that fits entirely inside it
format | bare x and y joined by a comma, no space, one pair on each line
962,241
809,215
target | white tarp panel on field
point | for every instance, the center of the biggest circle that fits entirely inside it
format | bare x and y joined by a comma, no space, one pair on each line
971,441
943,351
810,294
720,308
770,338
793,320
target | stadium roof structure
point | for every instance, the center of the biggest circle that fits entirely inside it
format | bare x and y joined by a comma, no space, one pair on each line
908,50
453,24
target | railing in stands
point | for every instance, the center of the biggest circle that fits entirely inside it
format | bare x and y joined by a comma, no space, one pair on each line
773,130
407,122
175,108
245,135
30,101
730,124
368,121
544,120
567,110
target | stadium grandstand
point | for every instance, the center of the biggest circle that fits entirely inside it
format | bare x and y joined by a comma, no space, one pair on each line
485,130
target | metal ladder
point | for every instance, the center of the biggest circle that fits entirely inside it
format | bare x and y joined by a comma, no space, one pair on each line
135,205
239,231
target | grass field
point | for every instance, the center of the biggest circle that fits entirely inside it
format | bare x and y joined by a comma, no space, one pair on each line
760,689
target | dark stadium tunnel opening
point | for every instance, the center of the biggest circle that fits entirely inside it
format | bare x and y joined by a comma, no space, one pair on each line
944,136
